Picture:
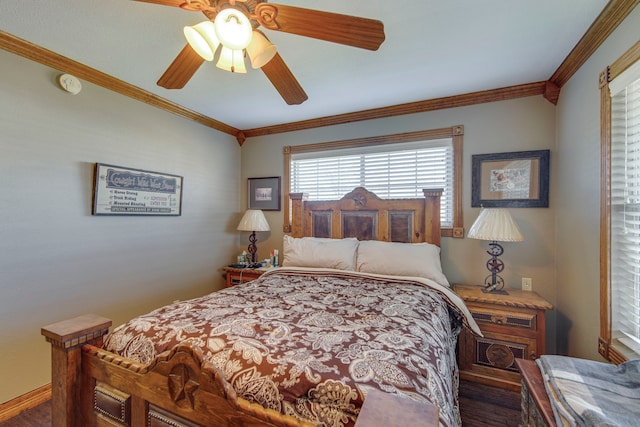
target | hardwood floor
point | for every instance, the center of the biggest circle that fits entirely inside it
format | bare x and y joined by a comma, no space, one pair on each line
484,406
40,416
480,406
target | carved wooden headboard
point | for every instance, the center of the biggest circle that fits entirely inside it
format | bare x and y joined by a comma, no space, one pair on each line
364,215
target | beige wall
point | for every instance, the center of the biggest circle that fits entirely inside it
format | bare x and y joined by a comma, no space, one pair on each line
59,261
577,196
515,125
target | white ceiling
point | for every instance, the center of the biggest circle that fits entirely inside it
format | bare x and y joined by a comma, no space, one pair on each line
432,49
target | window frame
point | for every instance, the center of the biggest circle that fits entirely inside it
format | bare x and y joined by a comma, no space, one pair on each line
607,346
456,133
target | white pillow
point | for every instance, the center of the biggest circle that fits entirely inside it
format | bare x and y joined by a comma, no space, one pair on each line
401,259
320,253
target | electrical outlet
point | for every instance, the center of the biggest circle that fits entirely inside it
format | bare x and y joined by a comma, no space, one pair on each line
526,284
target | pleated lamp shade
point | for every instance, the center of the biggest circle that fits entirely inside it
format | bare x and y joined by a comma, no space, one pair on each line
253,220
495,224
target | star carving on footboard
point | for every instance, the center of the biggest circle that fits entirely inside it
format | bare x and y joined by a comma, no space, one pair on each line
182,386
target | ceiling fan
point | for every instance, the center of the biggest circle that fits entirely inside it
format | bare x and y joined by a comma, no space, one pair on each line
207,39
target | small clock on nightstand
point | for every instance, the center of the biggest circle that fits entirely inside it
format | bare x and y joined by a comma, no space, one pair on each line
513,326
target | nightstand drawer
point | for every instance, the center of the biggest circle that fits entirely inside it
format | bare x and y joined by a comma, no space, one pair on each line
500,351
526,320
493,357
237,280
238,276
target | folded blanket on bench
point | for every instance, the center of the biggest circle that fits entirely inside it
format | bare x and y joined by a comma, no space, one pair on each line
589,393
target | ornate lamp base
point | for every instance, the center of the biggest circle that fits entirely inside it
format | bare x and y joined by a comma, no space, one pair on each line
493,283
252,247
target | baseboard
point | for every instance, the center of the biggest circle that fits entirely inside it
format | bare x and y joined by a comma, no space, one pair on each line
25,402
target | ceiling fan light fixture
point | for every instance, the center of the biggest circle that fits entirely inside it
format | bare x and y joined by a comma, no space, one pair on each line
202,38
260,50
231,60
233,28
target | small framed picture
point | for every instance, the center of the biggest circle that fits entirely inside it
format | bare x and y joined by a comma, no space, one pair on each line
264,193
512,180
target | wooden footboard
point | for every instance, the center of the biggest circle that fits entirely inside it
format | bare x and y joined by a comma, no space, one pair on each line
94,387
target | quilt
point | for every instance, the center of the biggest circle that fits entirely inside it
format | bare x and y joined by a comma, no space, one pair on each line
590,393
311,342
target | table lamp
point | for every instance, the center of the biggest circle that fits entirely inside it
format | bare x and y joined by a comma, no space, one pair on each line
253,220
495,225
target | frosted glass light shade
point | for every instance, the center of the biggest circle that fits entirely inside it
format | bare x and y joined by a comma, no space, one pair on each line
495,224
202,38
231,60
253,220
233,28
260,50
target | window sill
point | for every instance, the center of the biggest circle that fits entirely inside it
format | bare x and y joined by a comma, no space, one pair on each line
624,350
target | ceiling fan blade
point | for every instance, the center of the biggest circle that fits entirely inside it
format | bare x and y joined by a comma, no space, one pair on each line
181,69
175,3
284,81
332,27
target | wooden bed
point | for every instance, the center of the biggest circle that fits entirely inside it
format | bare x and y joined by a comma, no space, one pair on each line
92,386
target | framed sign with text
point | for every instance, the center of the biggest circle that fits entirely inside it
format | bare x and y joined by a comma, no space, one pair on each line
125,191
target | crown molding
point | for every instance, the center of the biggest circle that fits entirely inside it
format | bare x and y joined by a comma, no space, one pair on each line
611,16
492,95
608,20
51,59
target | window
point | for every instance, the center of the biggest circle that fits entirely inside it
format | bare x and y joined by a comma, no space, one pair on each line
620,219
392,166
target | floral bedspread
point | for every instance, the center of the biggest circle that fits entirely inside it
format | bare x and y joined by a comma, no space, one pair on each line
310,343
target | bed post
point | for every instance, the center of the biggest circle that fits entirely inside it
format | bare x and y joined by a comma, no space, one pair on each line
67,338
297,213
432,215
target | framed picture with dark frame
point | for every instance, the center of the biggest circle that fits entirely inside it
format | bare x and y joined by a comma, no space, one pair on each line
126,191
518,179
264,193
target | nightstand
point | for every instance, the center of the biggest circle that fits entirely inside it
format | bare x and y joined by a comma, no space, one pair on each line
513,326
236,276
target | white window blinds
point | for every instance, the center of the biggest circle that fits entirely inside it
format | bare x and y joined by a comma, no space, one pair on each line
391,171
625,209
